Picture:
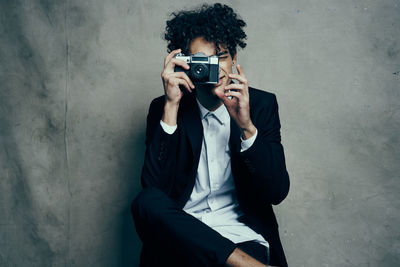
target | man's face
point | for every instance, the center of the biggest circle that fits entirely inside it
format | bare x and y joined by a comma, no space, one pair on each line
199,44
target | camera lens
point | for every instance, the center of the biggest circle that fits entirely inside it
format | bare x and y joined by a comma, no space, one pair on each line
199,72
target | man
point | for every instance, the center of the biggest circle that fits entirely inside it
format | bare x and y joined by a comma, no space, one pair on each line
214,163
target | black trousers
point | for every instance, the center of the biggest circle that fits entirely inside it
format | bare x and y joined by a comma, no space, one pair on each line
172,237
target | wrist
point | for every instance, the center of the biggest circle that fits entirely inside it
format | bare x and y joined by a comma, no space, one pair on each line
170,113
248,131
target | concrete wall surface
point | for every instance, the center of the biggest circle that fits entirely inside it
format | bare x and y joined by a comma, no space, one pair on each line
76,79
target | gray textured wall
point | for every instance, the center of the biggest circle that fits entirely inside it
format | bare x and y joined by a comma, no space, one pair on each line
76,79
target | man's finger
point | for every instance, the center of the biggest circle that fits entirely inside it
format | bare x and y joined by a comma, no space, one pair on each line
228,101
171,55
234,86
174,80
170,67
185,84
233,93
180,63
238,77
184,76
220,93
240,71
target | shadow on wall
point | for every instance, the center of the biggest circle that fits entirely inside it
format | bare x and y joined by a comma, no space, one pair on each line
130,242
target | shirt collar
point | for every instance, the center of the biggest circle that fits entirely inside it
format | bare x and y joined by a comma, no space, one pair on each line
221,113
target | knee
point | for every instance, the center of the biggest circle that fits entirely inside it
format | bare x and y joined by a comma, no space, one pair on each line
148,203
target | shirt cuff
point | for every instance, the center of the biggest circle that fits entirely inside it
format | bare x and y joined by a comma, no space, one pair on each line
167,128
246,144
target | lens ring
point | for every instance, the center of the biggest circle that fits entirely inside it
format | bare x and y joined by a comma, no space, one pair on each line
199,71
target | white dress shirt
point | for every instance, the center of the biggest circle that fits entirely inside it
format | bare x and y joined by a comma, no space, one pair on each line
213,199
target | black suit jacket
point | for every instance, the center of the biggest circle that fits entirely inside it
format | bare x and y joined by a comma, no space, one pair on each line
259,173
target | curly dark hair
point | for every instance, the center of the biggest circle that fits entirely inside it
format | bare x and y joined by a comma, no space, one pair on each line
217,23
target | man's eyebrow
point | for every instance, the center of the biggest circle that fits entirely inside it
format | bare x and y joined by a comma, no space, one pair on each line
222,53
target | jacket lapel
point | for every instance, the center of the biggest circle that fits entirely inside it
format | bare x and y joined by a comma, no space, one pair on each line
192,124
234,139
191,121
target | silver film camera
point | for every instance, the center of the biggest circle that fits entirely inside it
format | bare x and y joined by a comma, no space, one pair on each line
203,69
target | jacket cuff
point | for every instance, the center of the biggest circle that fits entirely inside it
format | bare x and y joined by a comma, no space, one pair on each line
246,144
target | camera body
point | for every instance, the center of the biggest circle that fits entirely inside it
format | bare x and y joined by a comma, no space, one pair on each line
203,69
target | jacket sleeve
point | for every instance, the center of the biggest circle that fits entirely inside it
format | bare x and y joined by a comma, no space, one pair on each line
265,159
160,156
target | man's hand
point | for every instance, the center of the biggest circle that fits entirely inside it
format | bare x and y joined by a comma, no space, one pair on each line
239,258
171,81
236,99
